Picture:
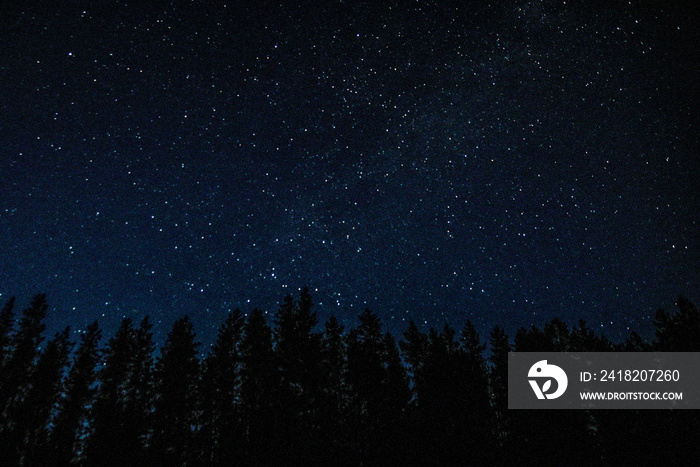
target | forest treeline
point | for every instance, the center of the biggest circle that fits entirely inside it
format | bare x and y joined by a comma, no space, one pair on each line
292,392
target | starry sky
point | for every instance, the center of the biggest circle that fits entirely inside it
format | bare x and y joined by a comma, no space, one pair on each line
503,162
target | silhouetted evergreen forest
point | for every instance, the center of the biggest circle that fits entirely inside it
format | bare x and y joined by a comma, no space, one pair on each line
291,393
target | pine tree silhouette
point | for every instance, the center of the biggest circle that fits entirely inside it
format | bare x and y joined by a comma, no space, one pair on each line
260,392
118,426
474,425
380,392
498,389
17,373
139,398
222,432
78,394
583,339
6,321
307,397
451,410
24,348
333,401
678,332
33,414
550,437
176,403
298,355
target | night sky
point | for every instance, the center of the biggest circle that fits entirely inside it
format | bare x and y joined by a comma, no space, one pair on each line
504,162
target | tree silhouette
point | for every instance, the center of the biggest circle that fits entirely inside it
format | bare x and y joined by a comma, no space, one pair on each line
21,360
473,402
298,355
634,343
176,403
333,401
33,413
678,332
451,411
395,396
17,373
297,396
414,347
222,430
498,387
583,339
107,439
380,392
645,431
79,392
260,391
120,411
550,437
6,321
141,392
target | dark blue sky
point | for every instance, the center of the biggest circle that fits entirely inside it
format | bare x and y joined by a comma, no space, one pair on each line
505,162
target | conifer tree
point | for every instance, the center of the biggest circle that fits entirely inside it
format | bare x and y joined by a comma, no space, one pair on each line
176,403
333,401
73,405
556,338
379,389
583,339
298,346
414,347
28,416
6,321
396,395
634,343
498,384
333,363
678,332
260,392
33,415
298,354
139,397
451,407
16,376
560,436
222,431
111,441
21,361
475,432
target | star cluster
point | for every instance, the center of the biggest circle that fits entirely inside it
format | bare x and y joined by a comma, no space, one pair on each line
500,162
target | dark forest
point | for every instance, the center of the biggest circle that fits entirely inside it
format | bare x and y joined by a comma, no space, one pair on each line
295,392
